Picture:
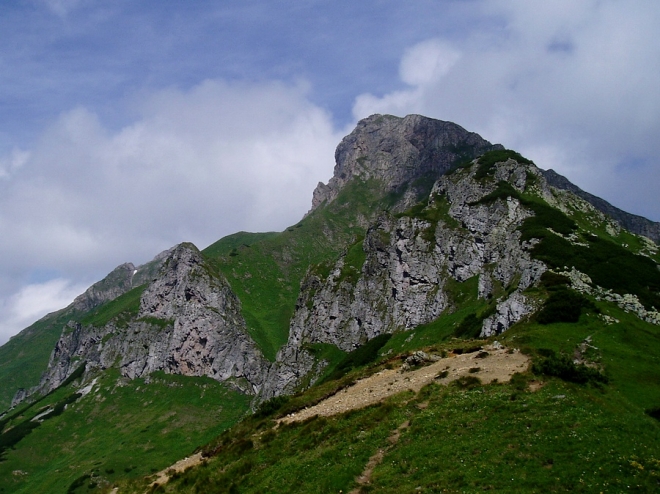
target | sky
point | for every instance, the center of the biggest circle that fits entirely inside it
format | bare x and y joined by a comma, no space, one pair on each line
127,127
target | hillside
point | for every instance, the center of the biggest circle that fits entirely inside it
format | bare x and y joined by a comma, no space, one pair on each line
427,238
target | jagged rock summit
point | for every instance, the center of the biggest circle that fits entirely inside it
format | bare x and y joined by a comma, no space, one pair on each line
395,152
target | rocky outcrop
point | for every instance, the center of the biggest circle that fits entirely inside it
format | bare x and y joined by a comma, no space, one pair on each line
189,322
631,222
119,281
408,260
402,270
400,153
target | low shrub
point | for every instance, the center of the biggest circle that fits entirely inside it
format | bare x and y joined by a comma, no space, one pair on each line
563,305
564,368
469,327
271,407
488,160
467,382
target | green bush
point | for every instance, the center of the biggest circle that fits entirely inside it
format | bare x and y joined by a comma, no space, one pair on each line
563,367
550,280
271,407
469,327
79,482
607,264
12,436
467,382
563,305
653,412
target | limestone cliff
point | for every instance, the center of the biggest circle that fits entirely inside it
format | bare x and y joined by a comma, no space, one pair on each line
189,322
408,261
400,154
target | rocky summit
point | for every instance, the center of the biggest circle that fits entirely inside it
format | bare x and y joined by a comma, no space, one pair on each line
427,241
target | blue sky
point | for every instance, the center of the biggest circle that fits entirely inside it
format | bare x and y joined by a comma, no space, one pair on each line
127,127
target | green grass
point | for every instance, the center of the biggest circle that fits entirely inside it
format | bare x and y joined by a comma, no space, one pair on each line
267,269
126,429
566,437
353,262
24,357
603,258
122,310
359,357
563,438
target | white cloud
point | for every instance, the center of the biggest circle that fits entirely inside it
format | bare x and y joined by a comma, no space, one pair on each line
34,301
193,166
575,82
12,162
427,62
61,7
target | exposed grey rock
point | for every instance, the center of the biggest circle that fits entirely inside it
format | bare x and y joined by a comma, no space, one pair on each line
632,222
408,260
416,359
189,323
509,312
120,280
395,152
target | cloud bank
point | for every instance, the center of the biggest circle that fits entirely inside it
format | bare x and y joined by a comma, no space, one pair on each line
193,166
572,85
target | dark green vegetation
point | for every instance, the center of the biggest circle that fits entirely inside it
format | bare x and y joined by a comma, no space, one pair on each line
359,357
560,427
121,429
487,162
607,263
562,366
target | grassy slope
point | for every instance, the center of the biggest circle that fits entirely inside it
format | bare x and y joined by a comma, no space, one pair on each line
24,358
564,437
124,429
461,439
265,270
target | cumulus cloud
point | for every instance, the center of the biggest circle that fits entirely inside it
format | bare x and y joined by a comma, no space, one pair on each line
571,84
193,165
34,301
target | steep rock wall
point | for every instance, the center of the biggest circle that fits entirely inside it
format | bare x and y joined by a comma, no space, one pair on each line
189,323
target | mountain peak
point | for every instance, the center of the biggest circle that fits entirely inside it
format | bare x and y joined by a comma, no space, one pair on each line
396,151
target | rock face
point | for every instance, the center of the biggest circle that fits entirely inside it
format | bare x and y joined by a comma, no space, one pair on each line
632,222
189,322
119,281
396,152
408,262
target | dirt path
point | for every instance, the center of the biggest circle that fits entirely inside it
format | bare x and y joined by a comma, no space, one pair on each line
180,466
498,365
376,459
